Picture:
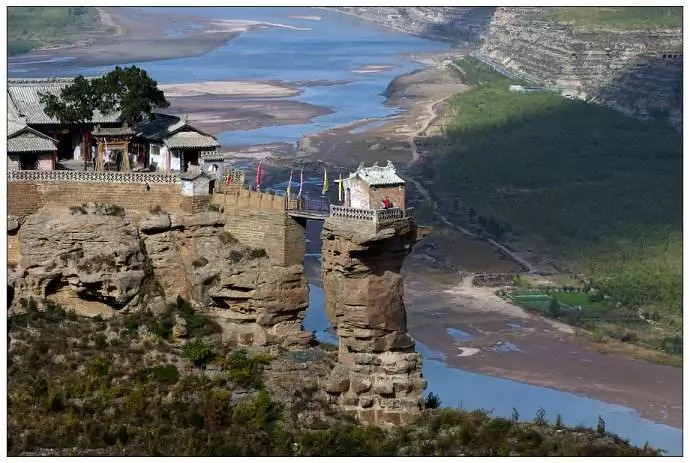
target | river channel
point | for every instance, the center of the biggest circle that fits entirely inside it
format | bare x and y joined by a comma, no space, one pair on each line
333,48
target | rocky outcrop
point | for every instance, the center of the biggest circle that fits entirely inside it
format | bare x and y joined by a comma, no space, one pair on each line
378,376
98,263
638,72
95,257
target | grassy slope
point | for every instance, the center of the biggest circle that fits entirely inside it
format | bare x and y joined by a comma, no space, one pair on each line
585,184
34,27
83,386
623,18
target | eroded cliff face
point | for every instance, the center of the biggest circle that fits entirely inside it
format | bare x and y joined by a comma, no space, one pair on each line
637,72
100,264
378,376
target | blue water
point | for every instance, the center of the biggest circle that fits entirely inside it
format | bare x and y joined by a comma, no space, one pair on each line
330,50
459,335
471,391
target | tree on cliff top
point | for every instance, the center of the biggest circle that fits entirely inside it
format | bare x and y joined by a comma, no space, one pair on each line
129,91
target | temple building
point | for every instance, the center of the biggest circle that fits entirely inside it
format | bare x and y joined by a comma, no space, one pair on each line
367,187
29,149
162,143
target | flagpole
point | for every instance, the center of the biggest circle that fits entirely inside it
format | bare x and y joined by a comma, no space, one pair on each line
289,188
258,176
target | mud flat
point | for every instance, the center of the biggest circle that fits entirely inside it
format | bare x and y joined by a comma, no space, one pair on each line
498,338
230,88
140,36
216,113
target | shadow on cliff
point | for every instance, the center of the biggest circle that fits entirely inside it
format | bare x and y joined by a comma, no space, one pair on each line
468,24
577,176
650,87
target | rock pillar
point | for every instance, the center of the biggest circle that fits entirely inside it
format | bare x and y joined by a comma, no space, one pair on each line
378,376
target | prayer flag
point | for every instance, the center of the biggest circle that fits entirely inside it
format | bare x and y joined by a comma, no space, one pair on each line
325,182
258,175
301,183
340,188
289,185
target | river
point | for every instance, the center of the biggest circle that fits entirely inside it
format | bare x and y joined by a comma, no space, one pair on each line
332,48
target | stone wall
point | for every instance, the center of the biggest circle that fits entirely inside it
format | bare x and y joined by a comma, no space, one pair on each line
248,199
280,235
24,198
395,193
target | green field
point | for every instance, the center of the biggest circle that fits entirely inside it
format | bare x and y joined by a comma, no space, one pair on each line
477,73
624,18
596,190
31,27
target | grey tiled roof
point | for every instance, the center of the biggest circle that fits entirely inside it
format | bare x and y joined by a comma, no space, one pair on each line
157,128
23,95
190,140
174,132
27,140
378,175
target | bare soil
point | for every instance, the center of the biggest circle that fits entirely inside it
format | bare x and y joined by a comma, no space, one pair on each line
506,341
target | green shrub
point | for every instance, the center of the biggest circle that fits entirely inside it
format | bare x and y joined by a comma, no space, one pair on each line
199,262
235,256
165,374
432,401
198,352
226,237
256,253
110,209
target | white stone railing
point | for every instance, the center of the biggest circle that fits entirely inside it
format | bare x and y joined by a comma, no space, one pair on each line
89,176
353,213
377,216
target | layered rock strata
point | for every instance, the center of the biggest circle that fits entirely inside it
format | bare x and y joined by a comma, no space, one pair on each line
378,376
638,72
97,263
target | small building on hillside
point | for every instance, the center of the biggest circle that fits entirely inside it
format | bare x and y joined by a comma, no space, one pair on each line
23,100
173,145
29,149
368,186
163,143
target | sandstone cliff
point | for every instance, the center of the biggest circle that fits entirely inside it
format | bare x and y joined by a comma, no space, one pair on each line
638,72
378,375
99,261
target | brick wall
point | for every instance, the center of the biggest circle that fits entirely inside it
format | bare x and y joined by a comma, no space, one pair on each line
395,193
25,198
247,199
280,235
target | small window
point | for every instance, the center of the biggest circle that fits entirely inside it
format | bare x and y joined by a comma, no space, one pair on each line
155,150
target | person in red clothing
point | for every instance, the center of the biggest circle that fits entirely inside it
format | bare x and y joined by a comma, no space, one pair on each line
386,203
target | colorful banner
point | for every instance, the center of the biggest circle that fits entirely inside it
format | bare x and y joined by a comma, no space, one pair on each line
325,182
340,188
258,175
301,183
289,186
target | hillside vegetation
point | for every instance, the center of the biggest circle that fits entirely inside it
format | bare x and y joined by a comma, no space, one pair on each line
597,190
623,18
32,27
126,387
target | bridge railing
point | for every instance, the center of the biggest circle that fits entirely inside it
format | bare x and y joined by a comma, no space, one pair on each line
319,205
